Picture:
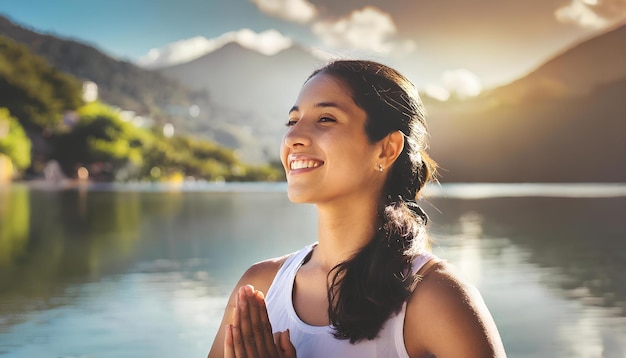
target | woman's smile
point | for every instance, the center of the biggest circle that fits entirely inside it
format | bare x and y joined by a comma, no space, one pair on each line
298,163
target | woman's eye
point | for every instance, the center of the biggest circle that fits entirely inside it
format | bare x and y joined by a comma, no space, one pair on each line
327,119
291,122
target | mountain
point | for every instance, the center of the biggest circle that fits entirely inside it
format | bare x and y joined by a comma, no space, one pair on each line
575,71
563,122
120,83
249,93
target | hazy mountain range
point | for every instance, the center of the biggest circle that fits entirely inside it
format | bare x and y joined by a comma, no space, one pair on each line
563,122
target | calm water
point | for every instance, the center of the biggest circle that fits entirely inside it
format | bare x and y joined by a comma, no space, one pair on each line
143,271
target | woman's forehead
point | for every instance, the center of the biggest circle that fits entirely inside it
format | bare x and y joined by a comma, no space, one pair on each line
325,88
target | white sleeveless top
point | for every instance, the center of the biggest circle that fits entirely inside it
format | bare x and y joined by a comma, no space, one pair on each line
318,341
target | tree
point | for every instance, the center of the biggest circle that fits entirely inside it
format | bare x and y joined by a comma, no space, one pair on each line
14,142
101,138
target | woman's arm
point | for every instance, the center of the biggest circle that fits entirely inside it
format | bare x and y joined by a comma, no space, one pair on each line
447,317
260,276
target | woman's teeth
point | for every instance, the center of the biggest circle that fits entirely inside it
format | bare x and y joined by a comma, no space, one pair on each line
300,164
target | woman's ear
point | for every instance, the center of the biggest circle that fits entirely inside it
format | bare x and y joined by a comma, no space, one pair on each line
392,146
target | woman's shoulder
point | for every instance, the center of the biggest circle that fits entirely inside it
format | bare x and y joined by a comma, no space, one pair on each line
443,290
440,280
262,273
446,315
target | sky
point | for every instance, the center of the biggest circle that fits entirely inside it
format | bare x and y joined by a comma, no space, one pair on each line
441,45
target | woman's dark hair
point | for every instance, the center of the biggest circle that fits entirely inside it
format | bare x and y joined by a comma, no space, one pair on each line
367,289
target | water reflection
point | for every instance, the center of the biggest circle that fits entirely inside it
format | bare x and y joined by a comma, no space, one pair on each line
15,215
527,254
136,273
61,238
584,238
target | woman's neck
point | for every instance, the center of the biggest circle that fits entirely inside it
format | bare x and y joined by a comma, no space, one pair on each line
342,230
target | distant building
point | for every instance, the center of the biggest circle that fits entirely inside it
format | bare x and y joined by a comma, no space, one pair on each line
90,91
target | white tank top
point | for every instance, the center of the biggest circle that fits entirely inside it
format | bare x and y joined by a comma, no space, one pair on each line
318,341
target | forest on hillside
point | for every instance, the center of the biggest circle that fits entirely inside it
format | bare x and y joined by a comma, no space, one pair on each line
44,118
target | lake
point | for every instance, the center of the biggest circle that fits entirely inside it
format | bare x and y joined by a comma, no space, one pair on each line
141,270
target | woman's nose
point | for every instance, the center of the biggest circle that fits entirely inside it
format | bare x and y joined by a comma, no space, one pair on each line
297,135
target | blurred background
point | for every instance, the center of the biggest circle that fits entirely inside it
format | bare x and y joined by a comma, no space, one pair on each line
139,171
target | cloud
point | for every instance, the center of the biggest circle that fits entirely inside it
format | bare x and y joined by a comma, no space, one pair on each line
268,42
368,29
300,11
592,13
460,82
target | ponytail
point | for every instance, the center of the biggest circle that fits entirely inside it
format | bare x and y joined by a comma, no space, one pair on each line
371,286
367,289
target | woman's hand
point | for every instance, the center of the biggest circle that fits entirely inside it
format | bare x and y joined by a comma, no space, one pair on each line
250,335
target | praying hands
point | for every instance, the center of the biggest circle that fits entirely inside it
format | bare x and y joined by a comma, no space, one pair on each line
250,335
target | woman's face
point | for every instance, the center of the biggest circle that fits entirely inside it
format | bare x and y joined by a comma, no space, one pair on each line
325,152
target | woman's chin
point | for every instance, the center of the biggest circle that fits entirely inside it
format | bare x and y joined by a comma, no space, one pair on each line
299,197
296,199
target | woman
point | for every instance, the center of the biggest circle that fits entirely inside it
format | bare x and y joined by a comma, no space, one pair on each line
355,147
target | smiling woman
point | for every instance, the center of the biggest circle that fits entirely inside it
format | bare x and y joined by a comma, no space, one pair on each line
369,287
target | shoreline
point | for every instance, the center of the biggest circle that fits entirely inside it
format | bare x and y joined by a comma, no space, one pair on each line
435,190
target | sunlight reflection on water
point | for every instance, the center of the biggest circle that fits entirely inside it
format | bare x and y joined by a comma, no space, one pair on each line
498,190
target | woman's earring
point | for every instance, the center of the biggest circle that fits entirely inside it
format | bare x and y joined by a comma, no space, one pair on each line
380,168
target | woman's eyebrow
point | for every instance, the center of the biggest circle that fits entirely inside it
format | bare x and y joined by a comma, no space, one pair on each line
320,105
329,104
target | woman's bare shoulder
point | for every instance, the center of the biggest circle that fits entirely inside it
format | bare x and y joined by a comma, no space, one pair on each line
261,274
447,316
443,282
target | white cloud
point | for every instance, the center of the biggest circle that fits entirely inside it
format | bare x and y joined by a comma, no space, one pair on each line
460,82
592,13
368,29
268,42
300,11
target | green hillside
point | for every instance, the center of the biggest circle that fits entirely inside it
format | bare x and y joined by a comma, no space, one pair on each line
120,83
32,90
93,137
